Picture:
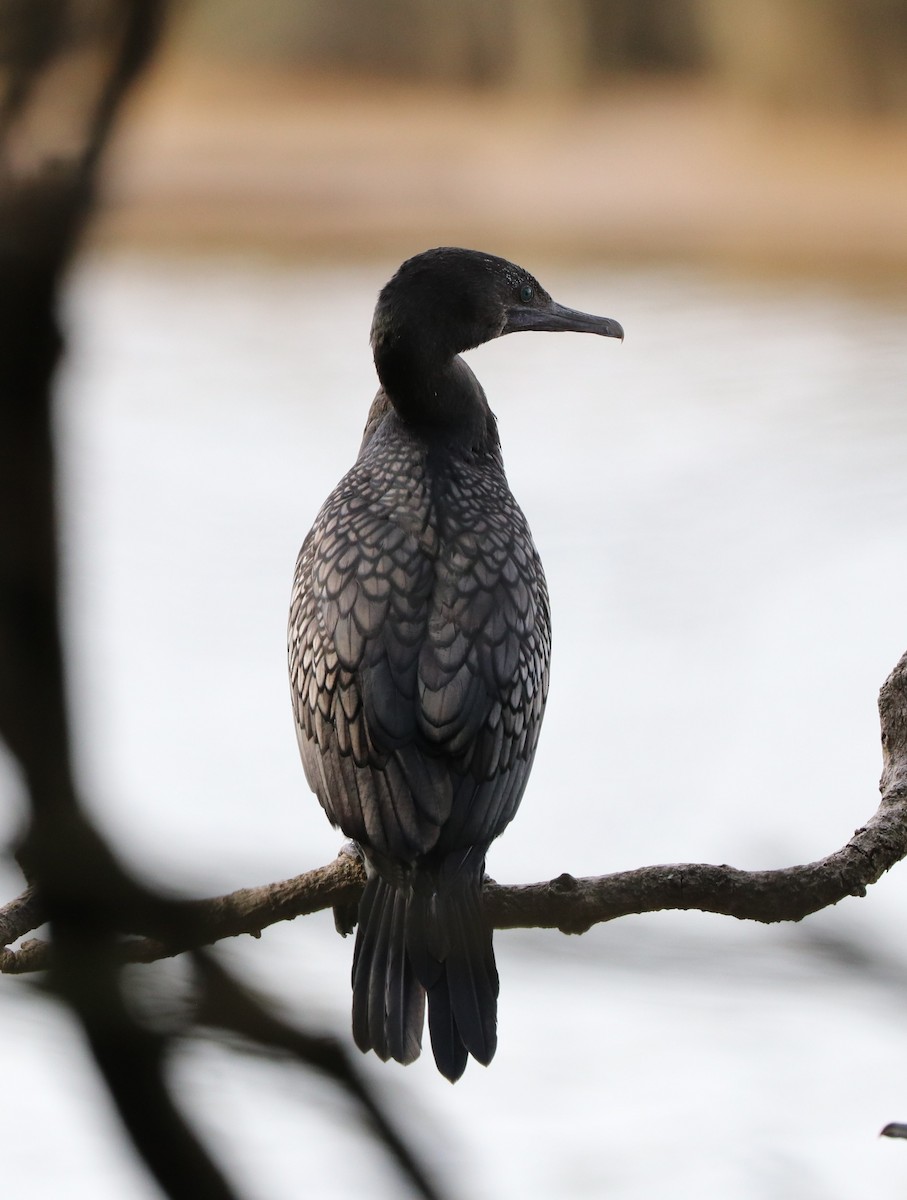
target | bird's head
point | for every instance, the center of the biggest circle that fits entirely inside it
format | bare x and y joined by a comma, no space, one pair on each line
445,301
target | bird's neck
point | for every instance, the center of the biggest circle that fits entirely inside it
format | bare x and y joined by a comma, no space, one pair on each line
440,397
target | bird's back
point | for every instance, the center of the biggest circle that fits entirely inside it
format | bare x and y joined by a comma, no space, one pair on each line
419,647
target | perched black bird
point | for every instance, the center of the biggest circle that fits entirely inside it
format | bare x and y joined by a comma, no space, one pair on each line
419,644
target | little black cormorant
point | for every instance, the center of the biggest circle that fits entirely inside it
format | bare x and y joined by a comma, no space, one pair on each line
419,644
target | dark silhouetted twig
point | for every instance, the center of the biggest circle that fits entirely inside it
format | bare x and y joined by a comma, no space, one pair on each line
77,885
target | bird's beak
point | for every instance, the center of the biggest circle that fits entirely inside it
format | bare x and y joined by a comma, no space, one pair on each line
555,318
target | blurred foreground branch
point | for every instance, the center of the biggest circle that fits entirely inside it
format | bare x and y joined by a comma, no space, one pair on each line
67,66
566,903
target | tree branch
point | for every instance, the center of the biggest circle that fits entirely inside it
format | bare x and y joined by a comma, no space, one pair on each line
21,916
565,903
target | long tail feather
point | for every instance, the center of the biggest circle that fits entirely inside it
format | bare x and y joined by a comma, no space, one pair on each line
426,936
388,1000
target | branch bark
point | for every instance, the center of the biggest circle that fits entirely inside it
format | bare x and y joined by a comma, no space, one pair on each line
565,903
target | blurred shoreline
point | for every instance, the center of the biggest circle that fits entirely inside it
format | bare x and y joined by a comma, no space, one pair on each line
213,157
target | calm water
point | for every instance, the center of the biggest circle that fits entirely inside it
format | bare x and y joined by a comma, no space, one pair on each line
721,507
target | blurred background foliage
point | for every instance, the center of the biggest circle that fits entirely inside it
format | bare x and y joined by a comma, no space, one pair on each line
759,134
840,55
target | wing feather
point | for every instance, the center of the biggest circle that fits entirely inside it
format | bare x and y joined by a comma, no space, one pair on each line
419,647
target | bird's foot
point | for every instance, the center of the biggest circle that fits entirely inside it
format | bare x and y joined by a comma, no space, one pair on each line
346,916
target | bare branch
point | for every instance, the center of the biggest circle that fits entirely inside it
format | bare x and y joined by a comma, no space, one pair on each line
565,903
21,916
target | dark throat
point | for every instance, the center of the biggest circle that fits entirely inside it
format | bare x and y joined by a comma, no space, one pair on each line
440,398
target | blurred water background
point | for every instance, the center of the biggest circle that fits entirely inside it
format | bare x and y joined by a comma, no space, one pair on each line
720,505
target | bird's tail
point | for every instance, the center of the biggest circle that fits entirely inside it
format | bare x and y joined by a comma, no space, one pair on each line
427,936
388,999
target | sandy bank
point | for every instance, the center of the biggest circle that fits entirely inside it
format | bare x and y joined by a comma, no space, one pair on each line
323,166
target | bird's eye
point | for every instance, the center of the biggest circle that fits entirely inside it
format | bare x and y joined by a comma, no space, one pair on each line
526,293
